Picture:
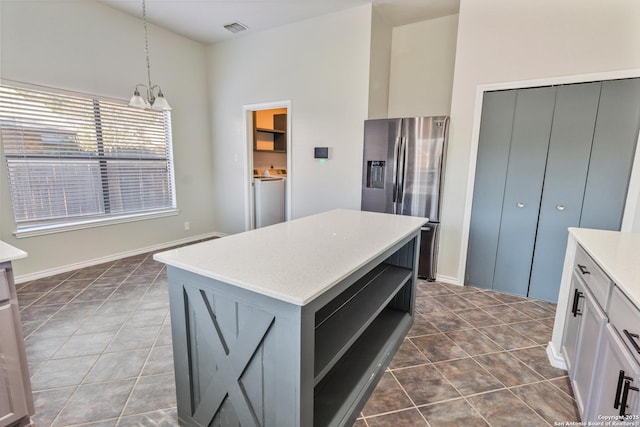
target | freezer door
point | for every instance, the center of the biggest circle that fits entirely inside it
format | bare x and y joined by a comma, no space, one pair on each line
422,157
379,172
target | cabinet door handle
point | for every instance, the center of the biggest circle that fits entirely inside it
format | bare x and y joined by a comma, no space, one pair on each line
625,396
583,269
632,337
621,379
576,300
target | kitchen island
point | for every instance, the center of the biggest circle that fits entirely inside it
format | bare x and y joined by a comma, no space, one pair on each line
292,324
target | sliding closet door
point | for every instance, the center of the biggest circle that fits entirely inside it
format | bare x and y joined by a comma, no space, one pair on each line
614,145
523,190
491,169
564,183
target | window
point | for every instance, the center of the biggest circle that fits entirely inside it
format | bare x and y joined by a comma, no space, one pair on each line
75,159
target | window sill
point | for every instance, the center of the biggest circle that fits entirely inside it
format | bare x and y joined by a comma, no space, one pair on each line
81,225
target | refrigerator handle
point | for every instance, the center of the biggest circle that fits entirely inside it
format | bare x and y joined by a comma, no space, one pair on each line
396,158
401,174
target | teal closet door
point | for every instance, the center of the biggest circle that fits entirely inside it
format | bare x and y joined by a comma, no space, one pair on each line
614,145
564,182
523,190
491,170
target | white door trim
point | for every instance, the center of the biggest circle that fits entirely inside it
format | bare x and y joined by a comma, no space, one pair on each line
247,152
633,193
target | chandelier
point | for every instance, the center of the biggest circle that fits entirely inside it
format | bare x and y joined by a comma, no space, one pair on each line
153,101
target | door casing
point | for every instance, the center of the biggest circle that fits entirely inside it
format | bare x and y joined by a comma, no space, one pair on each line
247,152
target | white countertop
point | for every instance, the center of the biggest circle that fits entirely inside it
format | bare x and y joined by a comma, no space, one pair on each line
618,254
298,260
10,253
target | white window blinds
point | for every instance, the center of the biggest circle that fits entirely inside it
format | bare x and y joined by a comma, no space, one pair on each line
75,158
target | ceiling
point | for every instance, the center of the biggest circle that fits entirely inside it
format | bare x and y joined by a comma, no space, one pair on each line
203,20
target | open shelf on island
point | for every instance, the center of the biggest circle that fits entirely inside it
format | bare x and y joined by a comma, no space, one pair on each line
341,321
341,393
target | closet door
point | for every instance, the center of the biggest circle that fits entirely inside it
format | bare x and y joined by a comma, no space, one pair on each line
523,190
491,169
564,182
614,145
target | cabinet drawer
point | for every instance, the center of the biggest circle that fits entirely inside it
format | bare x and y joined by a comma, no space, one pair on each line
596,280
625,317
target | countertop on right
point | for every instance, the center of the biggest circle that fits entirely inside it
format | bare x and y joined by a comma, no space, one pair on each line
617,253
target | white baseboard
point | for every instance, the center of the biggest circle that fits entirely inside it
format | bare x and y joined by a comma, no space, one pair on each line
75,266
555,358
448,279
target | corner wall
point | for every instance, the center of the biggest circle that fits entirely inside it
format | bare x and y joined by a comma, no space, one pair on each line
379,66
322,66
422,64
506,41
88,47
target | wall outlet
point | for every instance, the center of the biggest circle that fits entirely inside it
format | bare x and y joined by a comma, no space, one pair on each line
187,226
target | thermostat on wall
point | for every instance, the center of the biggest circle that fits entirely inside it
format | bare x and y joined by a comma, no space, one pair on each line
321,152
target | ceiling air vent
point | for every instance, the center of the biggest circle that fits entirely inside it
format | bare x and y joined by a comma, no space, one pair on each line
235,27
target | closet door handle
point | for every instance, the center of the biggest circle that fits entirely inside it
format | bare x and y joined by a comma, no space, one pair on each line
560,207
576,299
632,337
520,205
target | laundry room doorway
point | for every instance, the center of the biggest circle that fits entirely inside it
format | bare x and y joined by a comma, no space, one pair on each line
268,163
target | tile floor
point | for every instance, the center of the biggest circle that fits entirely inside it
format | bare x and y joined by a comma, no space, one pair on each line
99,350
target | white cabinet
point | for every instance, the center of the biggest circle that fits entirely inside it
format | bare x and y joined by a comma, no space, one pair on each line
15,389
584,325
601,334
13,403
615,391
572,323
589,334
617,386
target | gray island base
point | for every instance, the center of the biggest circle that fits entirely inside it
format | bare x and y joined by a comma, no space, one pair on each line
293,324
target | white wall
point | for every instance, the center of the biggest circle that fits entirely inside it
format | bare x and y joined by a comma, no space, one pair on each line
89,47
510,41
322,66
422,63
379,65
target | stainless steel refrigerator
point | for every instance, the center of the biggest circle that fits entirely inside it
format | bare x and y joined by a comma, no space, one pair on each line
403,171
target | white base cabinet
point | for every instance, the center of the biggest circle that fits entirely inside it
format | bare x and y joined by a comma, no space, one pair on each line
573,321
615,391
601,331
589,337
584,325
16,403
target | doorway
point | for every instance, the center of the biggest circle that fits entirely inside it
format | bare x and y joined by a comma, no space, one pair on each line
268,162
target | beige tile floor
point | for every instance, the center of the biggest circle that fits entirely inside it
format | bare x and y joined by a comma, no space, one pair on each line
99,350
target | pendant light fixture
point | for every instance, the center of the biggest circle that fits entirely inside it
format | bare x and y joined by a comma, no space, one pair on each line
155,102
